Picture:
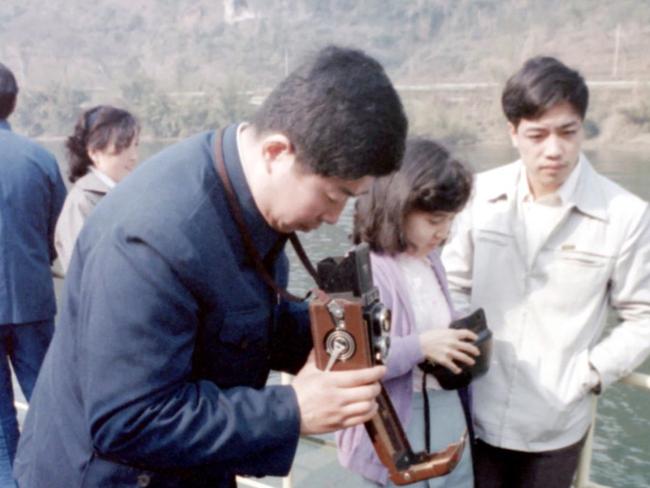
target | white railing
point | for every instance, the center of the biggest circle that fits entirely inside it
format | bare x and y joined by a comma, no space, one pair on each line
637,380
584,466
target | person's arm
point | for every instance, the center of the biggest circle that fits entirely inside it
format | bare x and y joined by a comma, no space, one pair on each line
458,258
72,218
404,352
57,198
628,344
443,346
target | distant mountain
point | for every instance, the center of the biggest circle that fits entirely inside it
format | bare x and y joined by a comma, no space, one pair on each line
170,53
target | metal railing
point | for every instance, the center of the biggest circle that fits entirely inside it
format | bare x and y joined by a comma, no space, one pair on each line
637,380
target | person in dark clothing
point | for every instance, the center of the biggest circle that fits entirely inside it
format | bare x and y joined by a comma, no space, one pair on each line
156,374
31,196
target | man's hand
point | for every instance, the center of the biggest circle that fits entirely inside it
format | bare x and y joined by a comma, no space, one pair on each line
334,400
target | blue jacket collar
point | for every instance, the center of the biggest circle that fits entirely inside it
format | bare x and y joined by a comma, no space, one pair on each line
4,124
263,235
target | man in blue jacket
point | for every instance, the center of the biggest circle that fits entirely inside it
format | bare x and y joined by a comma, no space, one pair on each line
31,196
156,374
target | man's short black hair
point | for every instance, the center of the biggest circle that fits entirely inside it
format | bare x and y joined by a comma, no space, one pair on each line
541,83
8,92
341,114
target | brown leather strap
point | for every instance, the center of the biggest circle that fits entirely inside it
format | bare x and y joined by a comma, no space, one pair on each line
247,240
304,259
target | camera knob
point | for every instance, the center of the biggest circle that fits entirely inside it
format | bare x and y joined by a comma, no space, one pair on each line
342,342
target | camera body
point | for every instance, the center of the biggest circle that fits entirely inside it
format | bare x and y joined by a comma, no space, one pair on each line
352,325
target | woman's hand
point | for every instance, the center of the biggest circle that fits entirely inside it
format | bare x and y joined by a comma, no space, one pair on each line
445,346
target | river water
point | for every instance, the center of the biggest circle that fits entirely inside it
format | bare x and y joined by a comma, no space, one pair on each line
621,457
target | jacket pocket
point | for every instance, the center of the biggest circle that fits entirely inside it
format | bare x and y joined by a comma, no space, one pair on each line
102,473
239,352
583,258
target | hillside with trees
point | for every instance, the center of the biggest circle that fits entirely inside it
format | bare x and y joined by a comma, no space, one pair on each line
188,65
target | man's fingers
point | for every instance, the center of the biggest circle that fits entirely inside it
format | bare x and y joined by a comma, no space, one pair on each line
357,377
359,394
364,417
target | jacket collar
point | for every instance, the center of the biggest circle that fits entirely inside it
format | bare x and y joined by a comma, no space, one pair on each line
587,198
262,233
4,124
90,182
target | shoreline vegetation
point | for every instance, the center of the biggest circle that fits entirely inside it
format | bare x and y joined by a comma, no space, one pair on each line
184,66
618,118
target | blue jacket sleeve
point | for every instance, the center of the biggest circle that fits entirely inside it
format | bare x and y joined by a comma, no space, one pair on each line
135,354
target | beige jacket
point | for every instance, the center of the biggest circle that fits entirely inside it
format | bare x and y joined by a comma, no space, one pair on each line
81,200
548,317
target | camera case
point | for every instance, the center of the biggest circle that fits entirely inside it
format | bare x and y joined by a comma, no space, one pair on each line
449,380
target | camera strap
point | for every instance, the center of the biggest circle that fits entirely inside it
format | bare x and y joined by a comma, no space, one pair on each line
262,266
427,414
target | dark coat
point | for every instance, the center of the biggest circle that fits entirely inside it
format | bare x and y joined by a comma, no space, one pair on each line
156,373
31,197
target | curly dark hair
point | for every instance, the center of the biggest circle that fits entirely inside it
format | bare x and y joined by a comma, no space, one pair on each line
97,129
430,180
341,114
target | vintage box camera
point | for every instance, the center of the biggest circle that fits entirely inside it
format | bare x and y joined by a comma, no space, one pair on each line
351,330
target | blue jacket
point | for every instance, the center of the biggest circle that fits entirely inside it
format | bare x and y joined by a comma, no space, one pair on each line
31,197
156,372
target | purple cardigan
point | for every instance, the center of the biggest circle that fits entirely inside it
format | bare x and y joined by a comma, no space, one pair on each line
355,450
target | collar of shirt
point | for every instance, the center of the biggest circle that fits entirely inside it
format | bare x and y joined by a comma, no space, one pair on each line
563,195
587,195
4,124
263,235
107,180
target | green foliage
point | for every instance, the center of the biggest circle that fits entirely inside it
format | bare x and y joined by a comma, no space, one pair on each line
179,66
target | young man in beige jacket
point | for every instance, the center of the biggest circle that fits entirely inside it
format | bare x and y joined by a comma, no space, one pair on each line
545,247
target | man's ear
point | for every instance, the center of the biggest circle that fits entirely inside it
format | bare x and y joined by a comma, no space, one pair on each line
512,130
276,148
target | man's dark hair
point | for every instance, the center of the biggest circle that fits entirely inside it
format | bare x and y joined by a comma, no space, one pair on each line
430,180
541,83
341,114
8,92
99,128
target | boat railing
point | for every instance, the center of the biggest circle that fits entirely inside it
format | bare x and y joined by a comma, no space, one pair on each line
582,480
